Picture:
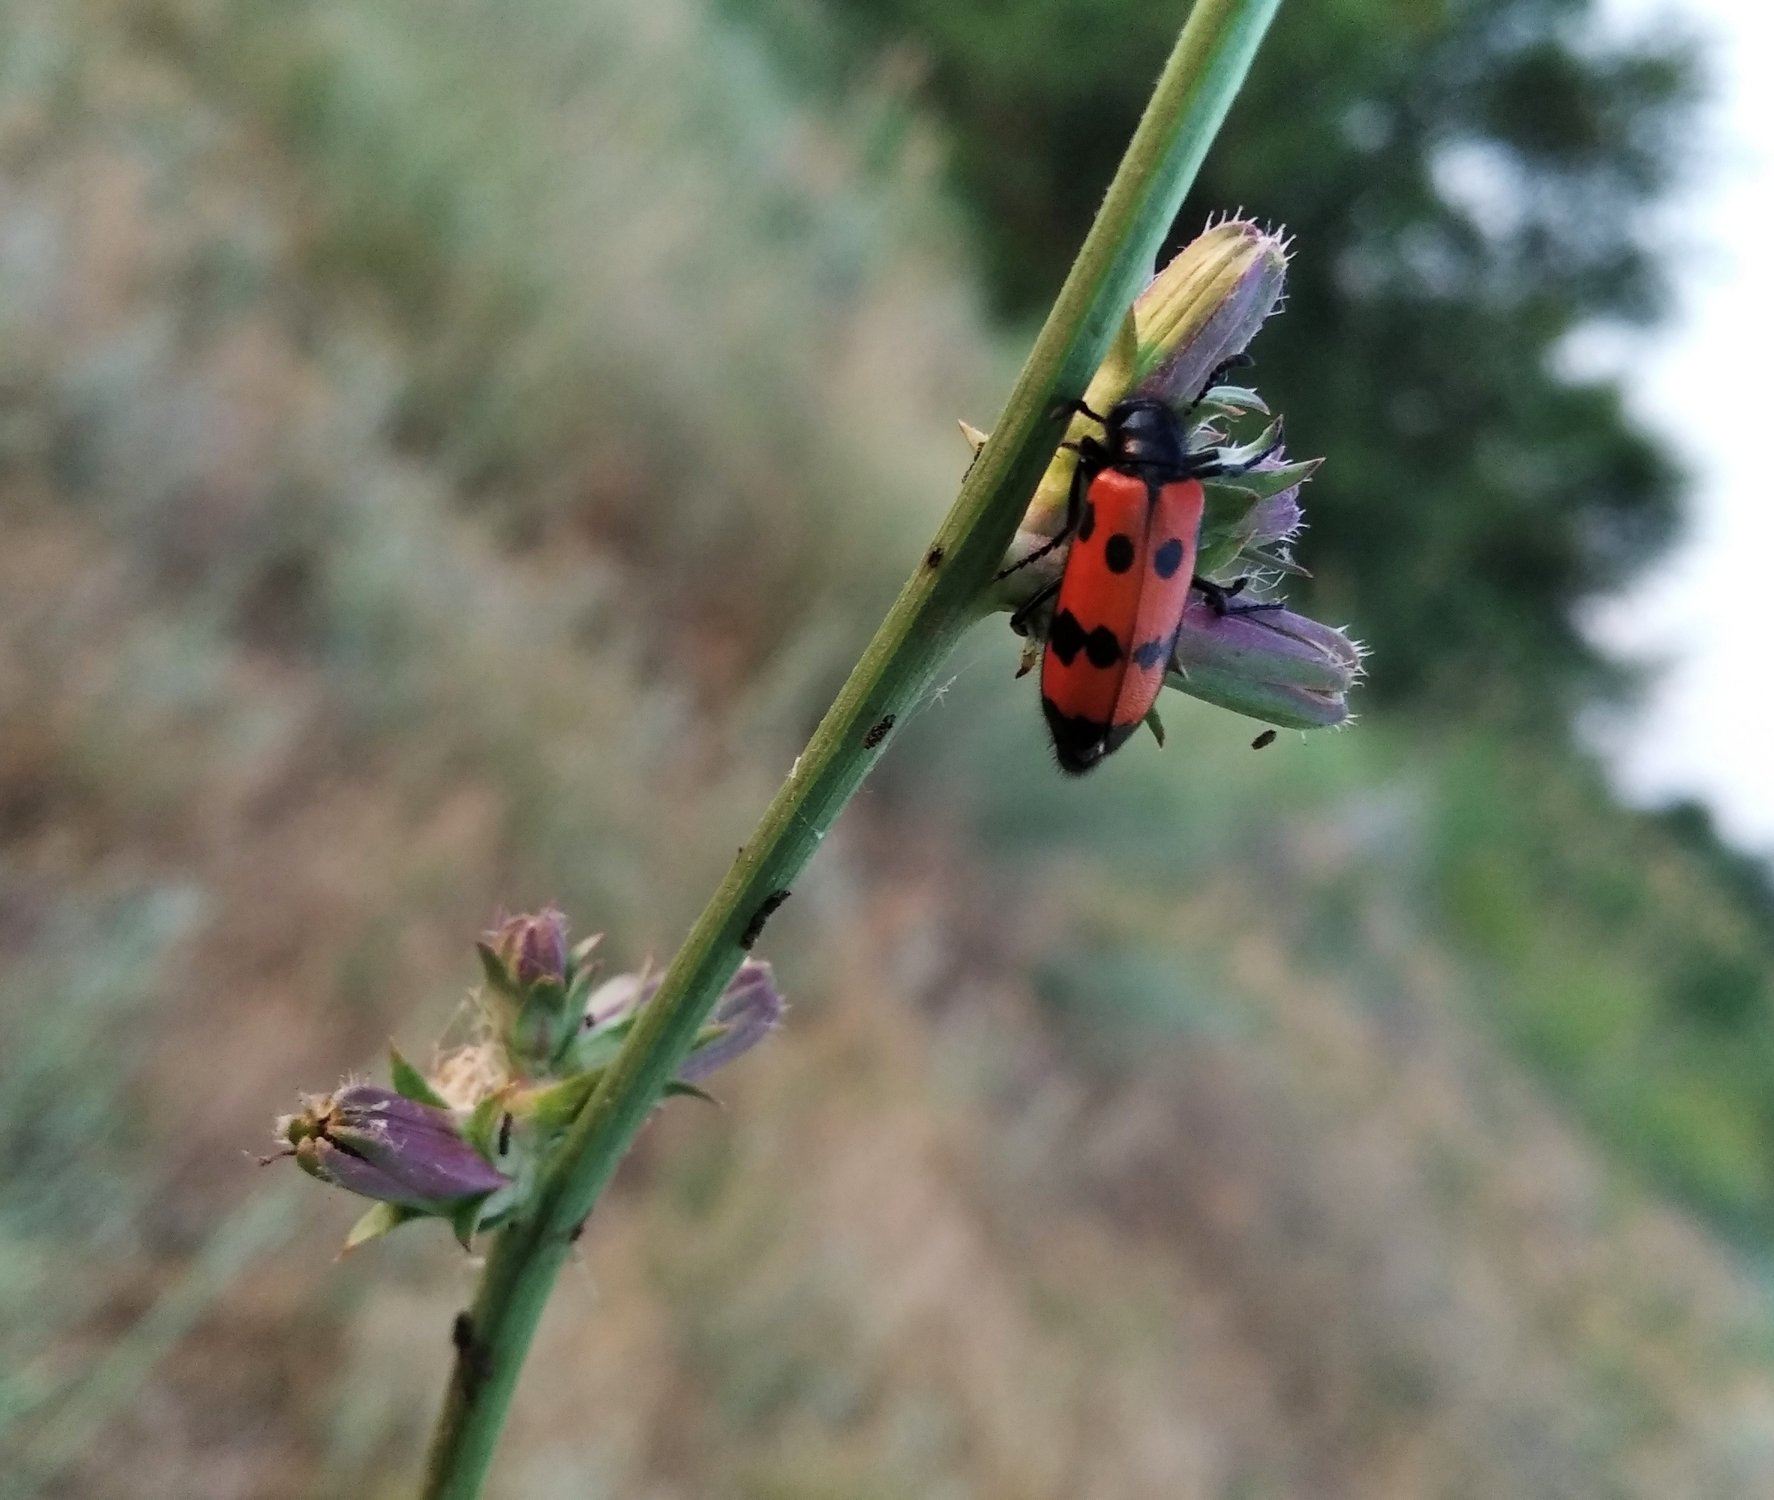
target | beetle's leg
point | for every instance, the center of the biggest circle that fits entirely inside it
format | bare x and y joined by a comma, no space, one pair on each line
1219,596
1219,372
1212,468
1067,408
1019,622
1091,456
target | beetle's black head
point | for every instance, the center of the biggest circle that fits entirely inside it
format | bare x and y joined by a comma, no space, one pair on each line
1144,431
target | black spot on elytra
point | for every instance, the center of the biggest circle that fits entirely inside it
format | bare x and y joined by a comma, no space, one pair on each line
1101,648
1168,558
1087,521
1118,552
1148,654
1065,637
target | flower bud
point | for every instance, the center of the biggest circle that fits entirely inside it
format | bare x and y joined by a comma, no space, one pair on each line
1269,664
1275,519
531,948
749,1011
749,1008
373,1142
1200,311
534,984
1252,518
1204,308
617,999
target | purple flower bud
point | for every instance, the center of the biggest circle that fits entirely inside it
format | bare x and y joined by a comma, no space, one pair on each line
1275,518
1205,307
531,948
618,998
748,1011
749,1008
377,1144
1270,664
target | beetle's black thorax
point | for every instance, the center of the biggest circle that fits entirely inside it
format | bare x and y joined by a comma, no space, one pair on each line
1144,433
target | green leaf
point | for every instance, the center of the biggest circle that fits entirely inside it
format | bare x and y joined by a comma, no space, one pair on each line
677,1087
1227,507
1257,558
1245,453
588,1050
410,1083
584,975
492,969
557,1106
1266,482
466,1219
1217,553
1229,503
382,1219
547,993
593,1051
482,1129
1232,401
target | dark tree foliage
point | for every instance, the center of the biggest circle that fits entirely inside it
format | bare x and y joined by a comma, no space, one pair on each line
1468,185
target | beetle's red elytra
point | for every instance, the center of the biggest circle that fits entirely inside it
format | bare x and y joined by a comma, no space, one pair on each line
1135,522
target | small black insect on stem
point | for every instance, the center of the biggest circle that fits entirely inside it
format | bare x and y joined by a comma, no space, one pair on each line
471,1356
877,732
754,929
933,558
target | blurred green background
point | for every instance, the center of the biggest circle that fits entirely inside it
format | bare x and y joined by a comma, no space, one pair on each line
448,456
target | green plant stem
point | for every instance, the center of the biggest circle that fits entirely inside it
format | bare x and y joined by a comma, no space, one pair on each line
942,598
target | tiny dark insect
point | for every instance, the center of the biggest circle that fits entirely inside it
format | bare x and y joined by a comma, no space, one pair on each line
504,1133
933,558
754,929
1263,740
472,1359
877,732
574,1233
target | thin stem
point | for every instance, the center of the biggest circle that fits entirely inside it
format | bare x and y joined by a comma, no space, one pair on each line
942,598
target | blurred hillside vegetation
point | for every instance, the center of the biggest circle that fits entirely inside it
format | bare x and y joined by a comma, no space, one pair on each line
448,455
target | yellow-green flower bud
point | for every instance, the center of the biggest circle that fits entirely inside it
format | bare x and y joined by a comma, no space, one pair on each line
1200,311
